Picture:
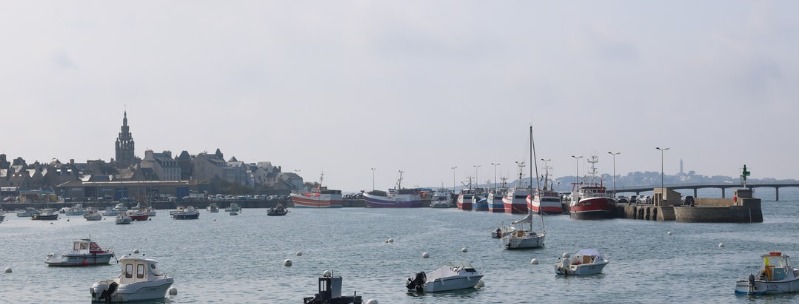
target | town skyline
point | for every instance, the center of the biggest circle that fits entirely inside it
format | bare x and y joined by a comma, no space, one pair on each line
341,88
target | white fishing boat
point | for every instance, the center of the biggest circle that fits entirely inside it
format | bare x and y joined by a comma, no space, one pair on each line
518,236
441,198
139,280
776,276
84,253
446,278
584,262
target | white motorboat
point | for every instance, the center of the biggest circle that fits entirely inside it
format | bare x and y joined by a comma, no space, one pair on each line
110,212
441,198
139,280
584,262
123,218
84,253
776,276
76,210
446,278
213,208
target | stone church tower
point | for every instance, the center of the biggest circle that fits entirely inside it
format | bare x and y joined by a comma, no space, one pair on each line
124,145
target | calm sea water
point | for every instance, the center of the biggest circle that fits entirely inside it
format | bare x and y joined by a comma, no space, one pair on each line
239,259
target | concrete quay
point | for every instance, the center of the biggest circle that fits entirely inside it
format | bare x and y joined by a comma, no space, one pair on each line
742,208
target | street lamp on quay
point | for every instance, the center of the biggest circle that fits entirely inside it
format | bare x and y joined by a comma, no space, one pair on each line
453,178
614,170
495,174
661,165
577,159
373,179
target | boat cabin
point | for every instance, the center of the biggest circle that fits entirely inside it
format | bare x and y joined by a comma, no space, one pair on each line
86,246
136,269
776,266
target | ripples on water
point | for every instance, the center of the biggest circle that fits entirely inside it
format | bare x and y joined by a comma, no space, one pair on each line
239,259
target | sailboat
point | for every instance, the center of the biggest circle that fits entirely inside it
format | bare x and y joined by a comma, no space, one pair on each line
516,236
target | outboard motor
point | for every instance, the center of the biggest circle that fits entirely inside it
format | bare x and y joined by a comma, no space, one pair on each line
107,293
417,283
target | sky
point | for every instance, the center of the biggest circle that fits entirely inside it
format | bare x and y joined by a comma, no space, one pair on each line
342,87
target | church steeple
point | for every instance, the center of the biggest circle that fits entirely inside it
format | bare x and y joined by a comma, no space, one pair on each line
124,144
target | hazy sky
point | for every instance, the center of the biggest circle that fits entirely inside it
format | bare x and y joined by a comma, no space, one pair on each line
418,86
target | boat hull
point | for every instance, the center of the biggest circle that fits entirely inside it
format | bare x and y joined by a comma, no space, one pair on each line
480,205
581,270
191,216
761,287
527,241
45,217
69,260
322,201
465,202
495,205
592,208
401,201
453,283
514,206
140,291
547,205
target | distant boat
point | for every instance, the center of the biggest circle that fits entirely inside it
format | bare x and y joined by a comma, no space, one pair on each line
441,198
278,210
92,214
466,199
27,212
213,208
495,196
319,197
84,252
515,201
46,214
188,213
590,200
123,218
395,198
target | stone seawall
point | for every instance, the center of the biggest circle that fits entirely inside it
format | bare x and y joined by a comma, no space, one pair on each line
748,211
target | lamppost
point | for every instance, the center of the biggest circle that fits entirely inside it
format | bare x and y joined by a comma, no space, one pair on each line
453,178
476,177
614,170
495,175
577,159
373,179
661,166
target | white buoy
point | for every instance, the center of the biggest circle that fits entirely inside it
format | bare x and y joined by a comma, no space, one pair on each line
669,233
565,255
464,249
390,240
327,274
371,301
8,269
173,291
480,284
287,263
425,255
534,261
299,253
721,245
135,251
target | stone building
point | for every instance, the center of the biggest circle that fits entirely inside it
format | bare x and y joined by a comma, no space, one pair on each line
164,167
